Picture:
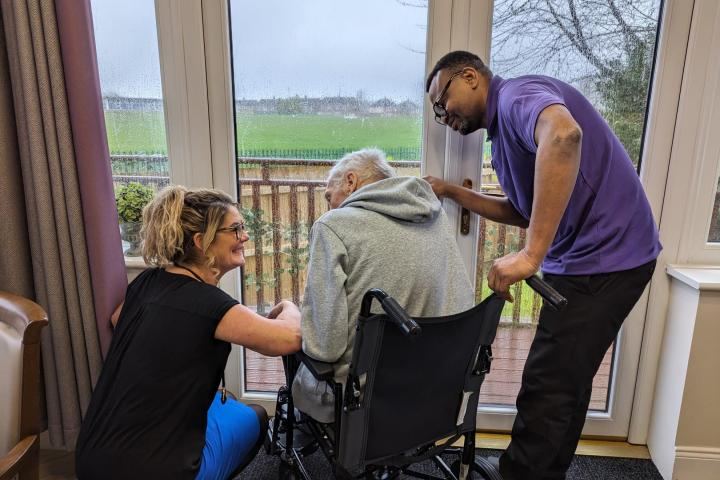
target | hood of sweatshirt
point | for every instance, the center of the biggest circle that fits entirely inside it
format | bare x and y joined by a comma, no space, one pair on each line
409,199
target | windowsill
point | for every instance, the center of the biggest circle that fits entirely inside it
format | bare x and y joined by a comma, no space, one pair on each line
135,263
699,277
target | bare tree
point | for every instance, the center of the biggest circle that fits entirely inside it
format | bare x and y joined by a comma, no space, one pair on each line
604,47
548,35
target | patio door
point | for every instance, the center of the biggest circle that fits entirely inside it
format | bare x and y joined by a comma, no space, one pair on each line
607,50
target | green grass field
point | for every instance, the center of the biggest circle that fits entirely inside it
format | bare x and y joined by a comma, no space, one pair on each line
144,132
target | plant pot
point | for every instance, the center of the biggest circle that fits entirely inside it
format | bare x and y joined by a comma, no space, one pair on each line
130,232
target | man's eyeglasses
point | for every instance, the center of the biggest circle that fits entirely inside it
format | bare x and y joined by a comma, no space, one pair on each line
238,228
439,106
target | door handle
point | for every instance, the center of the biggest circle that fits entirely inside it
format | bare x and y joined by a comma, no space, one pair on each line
465,213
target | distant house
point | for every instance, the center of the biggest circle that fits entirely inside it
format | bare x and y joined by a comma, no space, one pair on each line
348,107
408,107
386,106
132,104
295,105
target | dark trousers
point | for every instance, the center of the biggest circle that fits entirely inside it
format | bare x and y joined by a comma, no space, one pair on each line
564,357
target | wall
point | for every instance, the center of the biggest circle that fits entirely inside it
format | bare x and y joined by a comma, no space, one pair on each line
684,437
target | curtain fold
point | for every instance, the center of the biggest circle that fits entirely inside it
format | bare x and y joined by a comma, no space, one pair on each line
15,274
58,226
107,265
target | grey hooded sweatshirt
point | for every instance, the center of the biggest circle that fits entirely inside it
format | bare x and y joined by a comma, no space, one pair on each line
392,234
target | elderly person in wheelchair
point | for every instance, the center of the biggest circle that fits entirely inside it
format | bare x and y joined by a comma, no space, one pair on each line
382,390
385,237
383,231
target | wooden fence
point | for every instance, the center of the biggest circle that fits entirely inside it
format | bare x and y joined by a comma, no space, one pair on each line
280,198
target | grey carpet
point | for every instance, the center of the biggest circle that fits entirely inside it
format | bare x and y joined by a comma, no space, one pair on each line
265,467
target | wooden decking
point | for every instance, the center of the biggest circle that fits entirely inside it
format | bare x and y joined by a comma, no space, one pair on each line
500,387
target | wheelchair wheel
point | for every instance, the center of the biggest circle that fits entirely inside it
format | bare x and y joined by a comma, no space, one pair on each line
481,469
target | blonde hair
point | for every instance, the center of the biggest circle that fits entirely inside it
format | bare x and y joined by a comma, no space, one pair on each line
174,216
368,163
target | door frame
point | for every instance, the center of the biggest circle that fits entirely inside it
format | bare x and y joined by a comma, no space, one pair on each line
196,74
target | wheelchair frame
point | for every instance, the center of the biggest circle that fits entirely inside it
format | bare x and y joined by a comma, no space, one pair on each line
326,438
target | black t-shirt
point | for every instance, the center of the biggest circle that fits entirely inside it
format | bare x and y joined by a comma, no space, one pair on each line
148,413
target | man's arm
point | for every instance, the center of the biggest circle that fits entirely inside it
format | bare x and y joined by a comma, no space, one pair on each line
559,141
324,321
497,209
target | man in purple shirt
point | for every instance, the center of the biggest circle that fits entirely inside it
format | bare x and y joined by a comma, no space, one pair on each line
570,182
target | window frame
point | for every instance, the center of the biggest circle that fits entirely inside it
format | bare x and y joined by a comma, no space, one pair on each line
198,99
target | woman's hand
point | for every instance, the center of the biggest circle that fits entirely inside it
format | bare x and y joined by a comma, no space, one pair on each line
285,310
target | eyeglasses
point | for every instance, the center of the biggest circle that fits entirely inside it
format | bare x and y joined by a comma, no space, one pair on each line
238,228
438,107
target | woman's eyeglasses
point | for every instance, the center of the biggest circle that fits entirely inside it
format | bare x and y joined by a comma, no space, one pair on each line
238,228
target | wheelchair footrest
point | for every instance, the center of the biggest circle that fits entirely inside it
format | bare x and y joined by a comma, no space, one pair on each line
303,441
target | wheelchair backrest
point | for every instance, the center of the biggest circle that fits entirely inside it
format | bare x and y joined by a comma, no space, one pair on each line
416,390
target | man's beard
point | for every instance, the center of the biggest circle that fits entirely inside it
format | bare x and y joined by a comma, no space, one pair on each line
466,127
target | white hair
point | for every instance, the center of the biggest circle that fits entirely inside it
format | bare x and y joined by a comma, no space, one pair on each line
368,163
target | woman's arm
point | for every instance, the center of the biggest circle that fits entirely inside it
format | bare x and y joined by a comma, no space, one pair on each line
269,336
116,314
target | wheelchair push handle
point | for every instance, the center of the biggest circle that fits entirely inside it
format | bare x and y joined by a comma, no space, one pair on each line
407,325
399,316
548,293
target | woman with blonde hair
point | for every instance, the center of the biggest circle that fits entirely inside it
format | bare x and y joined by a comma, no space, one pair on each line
156,411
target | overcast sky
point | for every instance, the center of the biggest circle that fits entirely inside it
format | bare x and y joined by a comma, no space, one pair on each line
280,48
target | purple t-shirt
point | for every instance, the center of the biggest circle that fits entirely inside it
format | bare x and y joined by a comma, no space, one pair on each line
608,225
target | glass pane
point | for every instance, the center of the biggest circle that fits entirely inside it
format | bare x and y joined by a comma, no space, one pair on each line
714,234
129,67
605,49
332,78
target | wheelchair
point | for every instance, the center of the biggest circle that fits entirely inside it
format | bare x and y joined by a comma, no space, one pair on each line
411,394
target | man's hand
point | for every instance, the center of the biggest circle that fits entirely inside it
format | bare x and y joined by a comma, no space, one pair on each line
439,186
511,269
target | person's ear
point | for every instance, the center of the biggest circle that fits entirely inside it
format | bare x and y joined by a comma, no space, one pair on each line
197,240
471,76
351,182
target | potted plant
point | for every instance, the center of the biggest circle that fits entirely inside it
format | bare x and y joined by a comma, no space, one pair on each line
130,200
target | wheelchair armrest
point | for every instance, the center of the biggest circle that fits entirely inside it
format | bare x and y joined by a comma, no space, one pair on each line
320,370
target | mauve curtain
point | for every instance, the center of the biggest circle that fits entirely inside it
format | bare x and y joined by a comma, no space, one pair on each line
60,235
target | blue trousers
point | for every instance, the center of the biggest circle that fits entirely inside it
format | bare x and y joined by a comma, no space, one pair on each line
233,429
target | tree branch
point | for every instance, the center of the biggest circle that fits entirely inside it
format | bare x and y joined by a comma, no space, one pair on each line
575,38
630,38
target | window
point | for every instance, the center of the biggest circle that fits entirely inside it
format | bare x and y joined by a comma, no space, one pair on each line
129,66
291,125
338,78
